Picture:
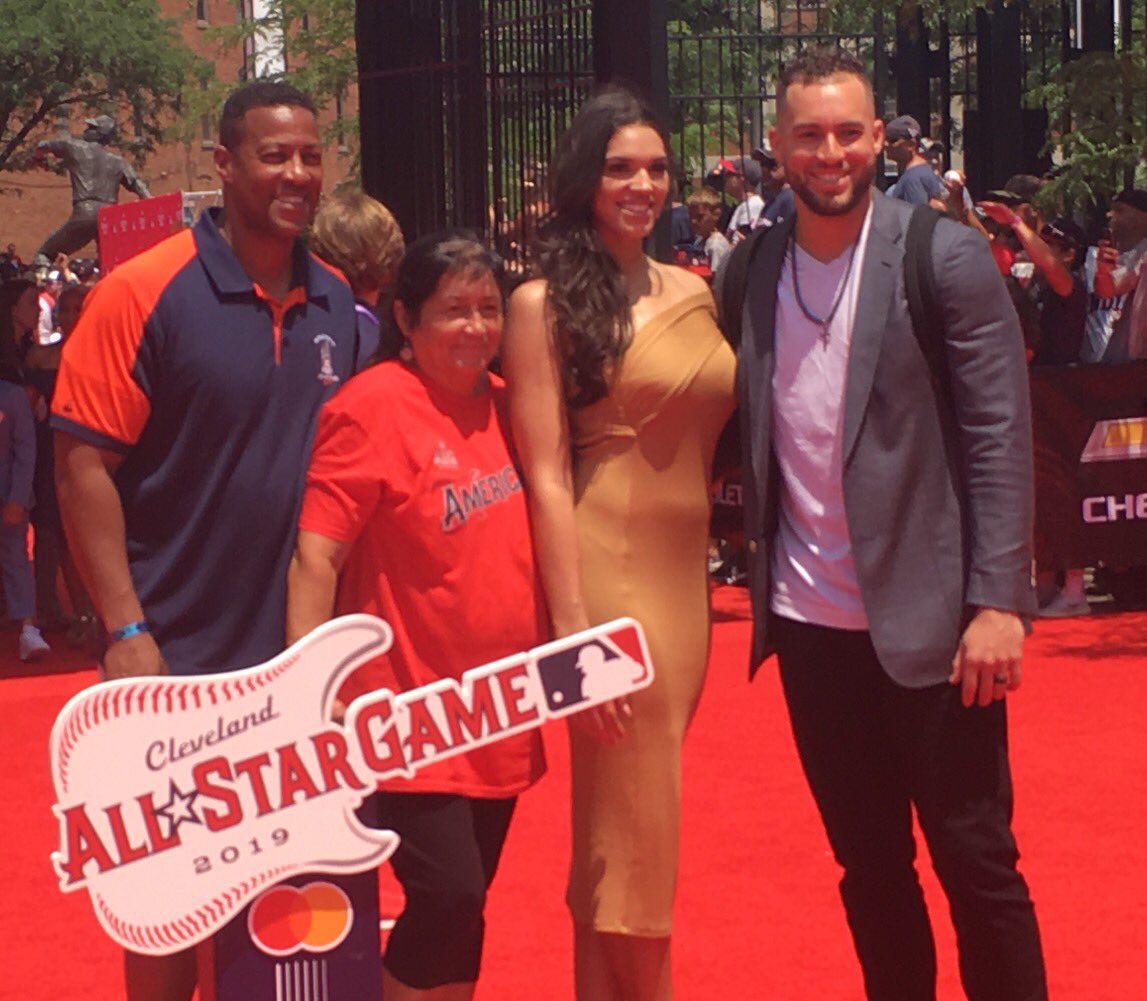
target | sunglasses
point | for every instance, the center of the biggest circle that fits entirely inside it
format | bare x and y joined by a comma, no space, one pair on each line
1050,232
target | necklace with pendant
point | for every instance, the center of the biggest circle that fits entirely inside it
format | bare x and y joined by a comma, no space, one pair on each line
825,322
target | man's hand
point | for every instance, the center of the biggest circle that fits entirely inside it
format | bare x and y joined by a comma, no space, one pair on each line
136,657
1106,257
987,662
12,513
998,212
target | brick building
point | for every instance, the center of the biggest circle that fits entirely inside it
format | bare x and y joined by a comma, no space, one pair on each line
35,202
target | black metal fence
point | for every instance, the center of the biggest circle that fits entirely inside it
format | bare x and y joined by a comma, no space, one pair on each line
461,103
462,100
724,70
724,66
538,67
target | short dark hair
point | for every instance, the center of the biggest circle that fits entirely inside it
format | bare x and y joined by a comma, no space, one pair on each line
430,258
815,65
259,94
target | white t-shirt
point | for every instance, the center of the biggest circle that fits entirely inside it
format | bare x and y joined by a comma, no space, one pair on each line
813,574
717,248
1102,314
746,214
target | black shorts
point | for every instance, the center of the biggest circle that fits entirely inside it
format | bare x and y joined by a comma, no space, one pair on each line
446,862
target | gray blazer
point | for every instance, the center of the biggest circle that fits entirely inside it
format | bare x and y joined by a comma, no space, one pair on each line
938,498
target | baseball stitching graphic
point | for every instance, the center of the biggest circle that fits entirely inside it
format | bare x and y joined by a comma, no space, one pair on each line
179,800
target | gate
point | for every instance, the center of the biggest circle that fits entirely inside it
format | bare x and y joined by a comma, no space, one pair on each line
538,67
461,103
462,100
724,63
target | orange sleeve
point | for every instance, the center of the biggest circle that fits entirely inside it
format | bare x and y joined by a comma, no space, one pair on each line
343,481
97,395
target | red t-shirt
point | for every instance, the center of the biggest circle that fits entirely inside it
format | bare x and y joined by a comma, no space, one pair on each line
421,482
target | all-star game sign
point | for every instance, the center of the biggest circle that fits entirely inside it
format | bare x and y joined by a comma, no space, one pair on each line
181,801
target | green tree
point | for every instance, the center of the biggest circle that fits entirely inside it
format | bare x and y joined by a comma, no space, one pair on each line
308,43
1098,102
117,57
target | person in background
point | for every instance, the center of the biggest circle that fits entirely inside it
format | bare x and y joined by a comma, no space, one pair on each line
18,315
772,181
358,235
184,411
709,244
1056,285
458,587
1058,292
620,383
51,555
918,183
742,186
681,234
1119,266
718,180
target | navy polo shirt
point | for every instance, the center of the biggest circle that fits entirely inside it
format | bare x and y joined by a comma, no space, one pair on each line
210,389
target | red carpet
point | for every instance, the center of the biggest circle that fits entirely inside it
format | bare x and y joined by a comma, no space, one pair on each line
758,916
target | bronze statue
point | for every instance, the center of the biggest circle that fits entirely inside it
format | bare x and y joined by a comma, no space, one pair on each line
97,175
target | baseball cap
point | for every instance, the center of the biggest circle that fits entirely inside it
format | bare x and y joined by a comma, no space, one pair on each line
723,168
1004,197
1027,186
904,127
764,154
1136,198
749,169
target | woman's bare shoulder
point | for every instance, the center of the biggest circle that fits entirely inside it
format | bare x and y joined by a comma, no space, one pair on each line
529,297
680,283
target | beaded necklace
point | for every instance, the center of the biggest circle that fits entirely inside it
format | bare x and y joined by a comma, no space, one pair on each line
825,322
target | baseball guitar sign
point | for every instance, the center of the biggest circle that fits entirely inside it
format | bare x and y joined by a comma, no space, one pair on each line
179,800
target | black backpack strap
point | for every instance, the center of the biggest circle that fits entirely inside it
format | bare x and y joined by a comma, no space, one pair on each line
923,301
733,283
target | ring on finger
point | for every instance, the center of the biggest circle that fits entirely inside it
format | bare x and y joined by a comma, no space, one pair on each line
1000,679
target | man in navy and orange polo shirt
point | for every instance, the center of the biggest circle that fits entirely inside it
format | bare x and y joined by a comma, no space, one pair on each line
184,412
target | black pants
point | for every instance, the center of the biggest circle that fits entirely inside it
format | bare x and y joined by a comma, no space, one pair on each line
872,750
446,862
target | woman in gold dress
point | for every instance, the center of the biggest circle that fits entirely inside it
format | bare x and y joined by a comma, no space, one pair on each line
619,384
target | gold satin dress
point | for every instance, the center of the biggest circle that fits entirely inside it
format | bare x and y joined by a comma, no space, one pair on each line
642,462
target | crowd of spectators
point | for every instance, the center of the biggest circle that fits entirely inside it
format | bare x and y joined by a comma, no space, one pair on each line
1078,300
38,309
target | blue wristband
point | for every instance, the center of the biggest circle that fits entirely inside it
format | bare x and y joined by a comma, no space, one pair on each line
128,631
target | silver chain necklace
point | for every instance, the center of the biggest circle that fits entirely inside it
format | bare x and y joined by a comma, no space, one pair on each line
826,322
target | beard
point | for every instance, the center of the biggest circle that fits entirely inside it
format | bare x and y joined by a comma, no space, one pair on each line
835,205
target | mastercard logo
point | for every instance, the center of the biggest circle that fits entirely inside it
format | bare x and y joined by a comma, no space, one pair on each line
287,919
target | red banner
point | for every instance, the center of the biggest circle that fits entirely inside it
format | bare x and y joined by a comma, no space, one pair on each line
131,227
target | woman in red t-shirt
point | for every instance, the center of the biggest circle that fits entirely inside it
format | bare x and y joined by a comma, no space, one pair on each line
413,511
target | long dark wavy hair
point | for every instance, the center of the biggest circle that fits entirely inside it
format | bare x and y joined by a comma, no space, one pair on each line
592,321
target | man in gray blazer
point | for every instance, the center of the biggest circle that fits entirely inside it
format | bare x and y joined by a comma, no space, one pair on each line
888,519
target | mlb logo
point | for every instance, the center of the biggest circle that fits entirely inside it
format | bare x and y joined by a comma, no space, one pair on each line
578,673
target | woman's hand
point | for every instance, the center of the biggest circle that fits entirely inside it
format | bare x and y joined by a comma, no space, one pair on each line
605,722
